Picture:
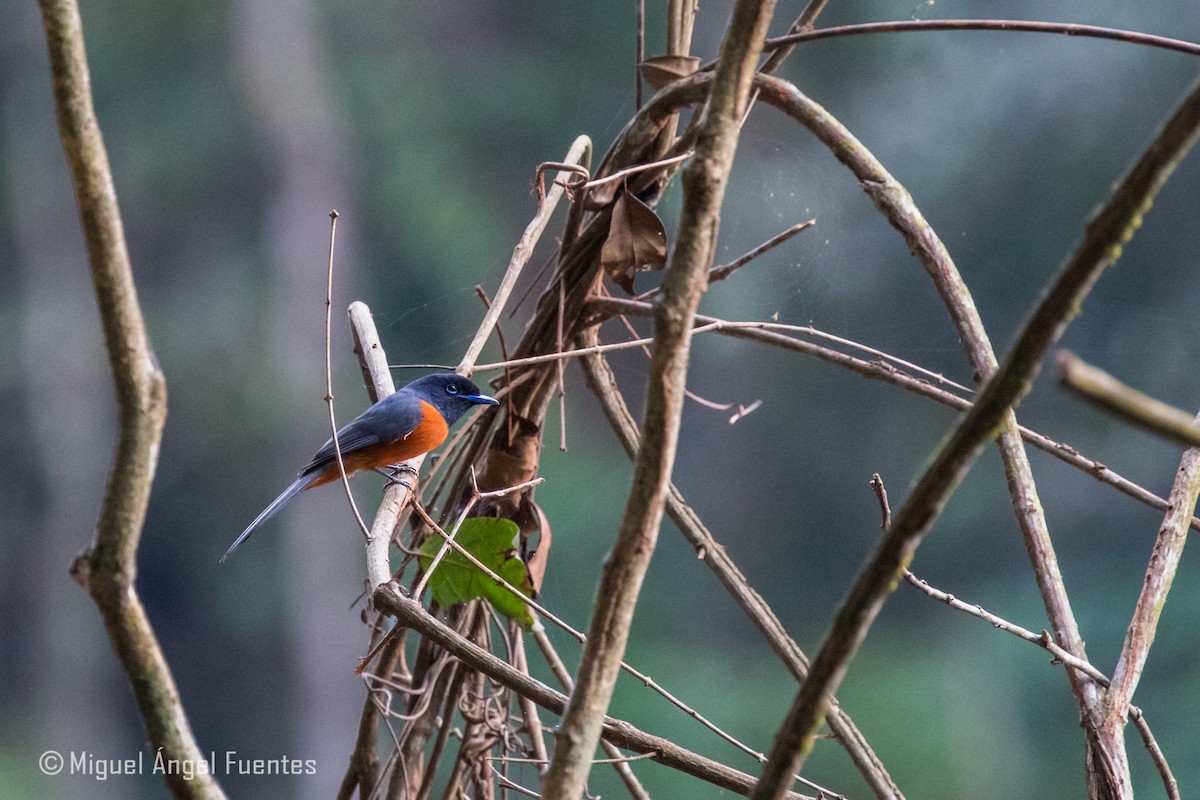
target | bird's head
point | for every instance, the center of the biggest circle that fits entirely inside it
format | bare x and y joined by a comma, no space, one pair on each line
451,394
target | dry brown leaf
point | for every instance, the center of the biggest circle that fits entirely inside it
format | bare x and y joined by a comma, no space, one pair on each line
636,241
532,521
658,71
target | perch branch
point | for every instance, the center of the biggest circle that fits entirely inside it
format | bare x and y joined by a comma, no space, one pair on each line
1101,246
704,181
107,568
396,496
1106,392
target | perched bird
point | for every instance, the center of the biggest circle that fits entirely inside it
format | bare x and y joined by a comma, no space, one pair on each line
403,425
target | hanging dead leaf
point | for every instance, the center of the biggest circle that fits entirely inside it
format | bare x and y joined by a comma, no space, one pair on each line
511,459
532,521
636,241
658,71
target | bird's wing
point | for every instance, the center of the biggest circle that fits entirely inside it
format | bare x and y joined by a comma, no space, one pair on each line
391,419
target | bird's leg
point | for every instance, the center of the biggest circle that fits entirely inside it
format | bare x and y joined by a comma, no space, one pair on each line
394,472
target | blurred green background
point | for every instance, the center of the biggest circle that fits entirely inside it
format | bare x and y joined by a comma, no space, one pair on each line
233,128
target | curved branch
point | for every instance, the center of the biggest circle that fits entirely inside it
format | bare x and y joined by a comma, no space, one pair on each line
108,567
1026,26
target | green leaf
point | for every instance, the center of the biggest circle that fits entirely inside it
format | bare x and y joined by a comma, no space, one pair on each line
492,540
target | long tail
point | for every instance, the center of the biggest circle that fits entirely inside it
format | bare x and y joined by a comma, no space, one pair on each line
298,486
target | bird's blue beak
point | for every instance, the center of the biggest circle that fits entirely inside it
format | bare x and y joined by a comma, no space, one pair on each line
481,399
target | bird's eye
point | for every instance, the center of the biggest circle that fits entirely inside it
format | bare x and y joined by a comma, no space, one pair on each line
452,388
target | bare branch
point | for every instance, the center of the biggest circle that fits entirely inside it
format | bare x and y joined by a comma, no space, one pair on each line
1061,28
1109,394
107,568
1156,753
396,496
883,372
333,427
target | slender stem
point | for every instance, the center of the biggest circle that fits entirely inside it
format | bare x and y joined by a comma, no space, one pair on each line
333,429
1156,754
580,152
909,25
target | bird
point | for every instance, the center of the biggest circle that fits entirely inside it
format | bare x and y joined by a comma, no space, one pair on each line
405,424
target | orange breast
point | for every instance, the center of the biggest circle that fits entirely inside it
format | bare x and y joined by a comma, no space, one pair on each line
430,432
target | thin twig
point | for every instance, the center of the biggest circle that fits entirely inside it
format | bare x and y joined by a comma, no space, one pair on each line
723,271
708,324
1043,639
1061,28
449,538
533,723
1156,753
640,53
507,783
883,372
579,152
333,429
1123,401
636,168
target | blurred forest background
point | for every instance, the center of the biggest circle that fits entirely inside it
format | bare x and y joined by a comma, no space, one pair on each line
233,128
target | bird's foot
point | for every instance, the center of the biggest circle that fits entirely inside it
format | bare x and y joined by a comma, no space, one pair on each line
394,472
